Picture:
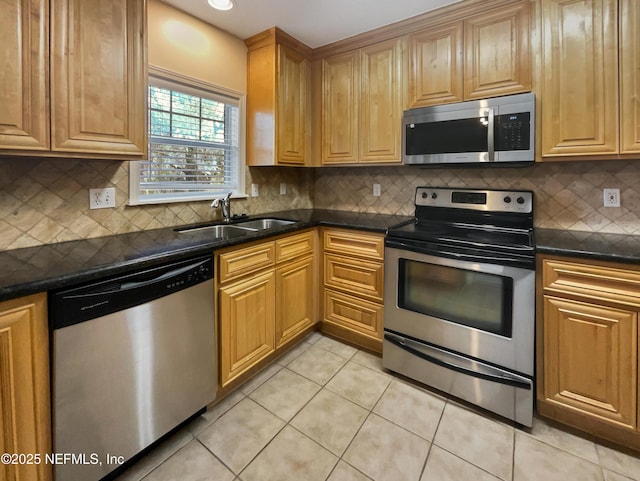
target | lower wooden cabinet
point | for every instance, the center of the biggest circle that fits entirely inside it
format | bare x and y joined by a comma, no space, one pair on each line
295,288
591,359
25,420
353,286
353,313
588,346
247,323
265,299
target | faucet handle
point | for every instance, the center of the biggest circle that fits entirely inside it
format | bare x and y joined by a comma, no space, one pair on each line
224,199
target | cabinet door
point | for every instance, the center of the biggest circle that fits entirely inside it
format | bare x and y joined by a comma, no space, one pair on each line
292,106
435,58
247,324
340,94
579,96
590,360
629,76
25,424
295,299
496,48
98,77
380,102
24,52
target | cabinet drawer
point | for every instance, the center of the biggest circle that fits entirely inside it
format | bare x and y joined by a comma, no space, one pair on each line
294,246
352,313
354,243
354,275
596,282
242,261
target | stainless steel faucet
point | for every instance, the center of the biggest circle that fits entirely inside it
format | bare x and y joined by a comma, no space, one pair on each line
225,204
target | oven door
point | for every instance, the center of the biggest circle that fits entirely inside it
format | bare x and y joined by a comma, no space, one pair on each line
478,309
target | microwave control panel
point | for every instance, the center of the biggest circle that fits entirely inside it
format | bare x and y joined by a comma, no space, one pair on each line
512,131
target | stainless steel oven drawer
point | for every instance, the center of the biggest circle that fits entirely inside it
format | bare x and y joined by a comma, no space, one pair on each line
494,389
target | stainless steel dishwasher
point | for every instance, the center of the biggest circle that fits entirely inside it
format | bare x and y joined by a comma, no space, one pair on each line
133,357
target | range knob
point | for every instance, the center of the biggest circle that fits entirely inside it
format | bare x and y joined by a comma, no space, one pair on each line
520,200
424,195
507,200
434,195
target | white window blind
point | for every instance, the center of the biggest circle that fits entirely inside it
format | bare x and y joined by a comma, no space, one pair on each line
194,145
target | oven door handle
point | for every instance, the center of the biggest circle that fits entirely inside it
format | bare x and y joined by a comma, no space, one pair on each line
456,363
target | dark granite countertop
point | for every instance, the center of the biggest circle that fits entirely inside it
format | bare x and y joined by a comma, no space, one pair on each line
590,245
52,266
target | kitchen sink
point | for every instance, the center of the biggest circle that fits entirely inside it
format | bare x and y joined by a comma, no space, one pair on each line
218,230
261,224
236,230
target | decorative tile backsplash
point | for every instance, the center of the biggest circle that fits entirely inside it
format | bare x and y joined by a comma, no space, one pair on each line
568,195
46,200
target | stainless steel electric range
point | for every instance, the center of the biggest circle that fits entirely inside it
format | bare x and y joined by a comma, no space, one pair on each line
460,297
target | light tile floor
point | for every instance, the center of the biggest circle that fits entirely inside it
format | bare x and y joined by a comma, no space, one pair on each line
328,411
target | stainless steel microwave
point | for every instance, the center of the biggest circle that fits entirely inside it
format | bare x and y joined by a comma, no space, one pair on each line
496,131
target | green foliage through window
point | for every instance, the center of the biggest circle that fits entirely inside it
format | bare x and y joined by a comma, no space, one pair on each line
193,144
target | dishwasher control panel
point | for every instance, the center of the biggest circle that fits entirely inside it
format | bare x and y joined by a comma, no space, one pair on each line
77,304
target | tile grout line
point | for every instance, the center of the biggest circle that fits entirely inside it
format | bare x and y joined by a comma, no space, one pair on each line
288,423
370,412
431,443
235,476
559,448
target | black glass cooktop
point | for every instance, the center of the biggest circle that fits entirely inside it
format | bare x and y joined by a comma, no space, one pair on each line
469,235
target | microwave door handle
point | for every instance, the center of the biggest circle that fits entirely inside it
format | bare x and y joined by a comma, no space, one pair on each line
490,135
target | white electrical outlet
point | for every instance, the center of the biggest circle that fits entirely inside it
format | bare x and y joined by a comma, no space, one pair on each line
611,197
102,198
283,188
376,190
254,190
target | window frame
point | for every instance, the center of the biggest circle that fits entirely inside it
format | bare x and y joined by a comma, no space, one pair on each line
190,85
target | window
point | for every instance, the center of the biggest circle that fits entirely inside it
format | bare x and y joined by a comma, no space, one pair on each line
194,142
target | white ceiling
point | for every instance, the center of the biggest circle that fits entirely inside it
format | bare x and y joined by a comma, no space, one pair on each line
313,22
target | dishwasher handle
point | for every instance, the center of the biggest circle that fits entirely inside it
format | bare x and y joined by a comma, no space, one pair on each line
123,287
72,306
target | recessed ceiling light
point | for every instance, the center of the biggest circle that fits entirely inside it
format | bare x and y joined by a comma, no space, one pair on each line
221,4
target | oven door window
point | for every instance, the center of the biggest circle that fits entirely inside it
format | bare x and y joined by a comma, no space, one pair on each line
470,298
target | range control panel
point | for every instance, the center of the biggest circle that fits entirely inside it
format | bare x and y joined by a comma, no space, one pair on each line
486,200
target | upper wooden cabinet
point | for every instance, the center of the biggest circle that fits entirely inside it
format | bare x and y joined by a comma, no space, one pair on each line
24,56
362,104
484,55
340,104
589,94
436,65
278,111
98,77
629,76
92,66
